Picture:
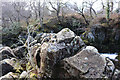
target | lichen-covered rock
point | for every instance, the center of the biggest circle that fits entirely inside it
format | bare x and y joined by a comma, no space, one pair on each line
86,64
75,45
51,54
55,47
45,37
6,52
65,35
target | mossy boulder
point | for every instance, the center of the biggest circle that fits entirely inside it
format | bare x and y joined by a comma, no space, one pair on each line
87,63
58,46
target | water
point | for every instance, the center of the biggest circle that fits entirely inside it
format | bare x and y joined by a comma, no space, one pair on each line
110,55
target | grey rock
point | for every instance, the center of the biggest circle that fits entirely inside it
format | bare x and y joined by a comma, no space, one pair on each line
86,64
55,47
65,35
50,55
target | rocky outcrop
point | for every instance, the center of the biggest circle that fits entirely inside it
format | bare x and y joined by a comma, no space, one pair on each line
55,48
59,55
88,63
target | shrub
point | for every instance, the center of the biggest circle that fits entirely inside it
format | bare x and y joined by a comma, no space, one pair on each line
15,28
10,34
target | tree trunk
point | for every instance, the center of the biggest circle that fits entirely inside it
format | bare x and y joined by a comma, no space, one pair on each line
85,19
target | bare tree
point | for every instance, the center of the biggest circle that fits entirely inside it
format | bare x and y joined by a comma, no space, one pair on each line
8,14
103,6
90,6
17,8
80,11
111,6
38,8
56,6
34,9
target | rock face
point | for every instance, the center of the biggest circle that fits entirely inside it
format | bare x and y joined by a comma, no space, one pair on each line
86,64
55,48
6,52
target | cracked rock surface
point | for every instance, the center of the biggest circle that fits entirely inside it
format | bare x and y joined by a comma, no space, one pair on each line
86,64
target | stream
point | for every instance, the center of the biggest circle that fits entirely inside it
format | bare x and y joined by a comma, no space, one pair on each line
110,55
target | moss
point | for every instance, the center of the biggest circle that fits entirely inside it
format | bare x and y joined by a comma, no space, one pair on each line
18,67
85,41
68,30
28,66
33,76
85,33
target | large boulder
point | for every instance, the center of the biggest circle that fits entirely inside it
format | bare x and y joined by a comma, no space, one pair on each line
88,63
6,52
50,54
65,35
57,47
